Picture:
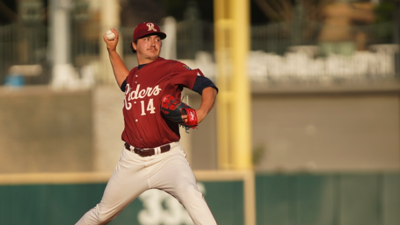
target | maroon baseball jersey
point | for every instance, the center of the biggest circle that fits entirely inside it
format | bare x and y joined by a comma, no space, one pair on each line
145,126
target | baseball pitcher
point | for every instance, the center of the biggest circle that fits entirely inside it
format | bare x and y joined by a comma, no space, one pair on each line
152,157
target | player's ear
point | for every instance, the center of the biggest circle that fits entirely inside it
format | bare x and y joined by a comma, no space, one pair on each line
133,46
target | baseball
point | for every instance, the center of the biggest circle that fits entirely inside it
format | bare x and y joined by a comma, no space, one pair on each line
110,35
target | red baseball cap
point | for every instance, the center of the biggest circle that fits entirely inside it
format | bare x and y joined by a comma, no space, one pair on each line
146,29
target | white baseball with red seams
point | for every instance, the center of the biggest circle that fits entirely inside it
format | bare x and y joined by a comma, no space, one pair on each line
110,35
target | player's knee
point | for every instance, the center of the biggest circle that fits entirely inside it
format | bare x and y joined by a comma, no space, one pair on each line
104,217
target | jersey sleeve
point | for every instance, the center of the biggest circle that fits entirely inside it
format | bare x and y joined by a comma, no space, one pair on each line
183,75
123,86
201,83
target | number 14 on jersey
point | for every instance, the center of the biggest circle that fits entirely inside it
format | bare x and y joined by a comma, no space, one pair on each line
149,107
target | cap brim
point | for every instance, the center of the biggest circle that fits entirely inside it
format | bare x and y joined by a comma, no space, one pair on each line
162,35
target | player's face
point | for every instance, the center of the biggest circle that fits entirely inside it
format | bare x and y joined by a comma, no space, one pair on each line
148,48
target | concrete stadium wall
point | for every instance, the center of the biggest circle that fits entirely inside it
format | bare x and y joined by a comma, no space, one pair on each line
45,131
326,129
341,129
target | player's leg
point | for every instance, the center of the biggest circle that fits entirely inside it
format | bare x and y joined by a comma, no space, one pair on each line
127,182
176,177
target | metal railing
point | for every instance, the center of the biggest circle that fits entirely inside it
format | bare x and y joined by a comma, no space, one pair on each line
274,43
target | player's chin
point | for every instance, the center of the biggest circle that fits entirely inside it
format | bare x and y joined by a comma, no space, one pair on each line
154,55
154,52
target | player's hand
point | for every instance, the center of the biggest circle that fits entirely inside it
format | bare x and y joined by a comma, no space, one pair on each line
112,44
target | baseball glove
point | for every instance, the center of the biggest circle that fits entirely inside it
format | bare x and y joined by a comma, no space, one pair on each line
174,110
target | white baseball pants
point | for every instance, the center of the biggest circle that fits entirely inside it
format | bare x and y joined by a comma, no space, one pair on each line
169,171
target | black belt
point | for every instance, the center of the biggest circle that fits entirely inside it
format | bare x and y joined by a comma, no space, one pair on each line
144,152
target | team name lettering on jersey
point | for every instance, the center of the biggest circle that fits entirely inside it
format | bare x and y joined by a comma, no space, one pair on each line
139,94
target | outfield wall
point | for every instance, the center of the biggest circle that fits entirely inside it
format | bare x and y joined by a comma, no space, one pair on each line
281,199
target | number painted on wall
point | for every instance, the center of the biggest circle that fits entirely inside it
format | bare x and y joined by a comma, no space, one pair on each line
161,208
